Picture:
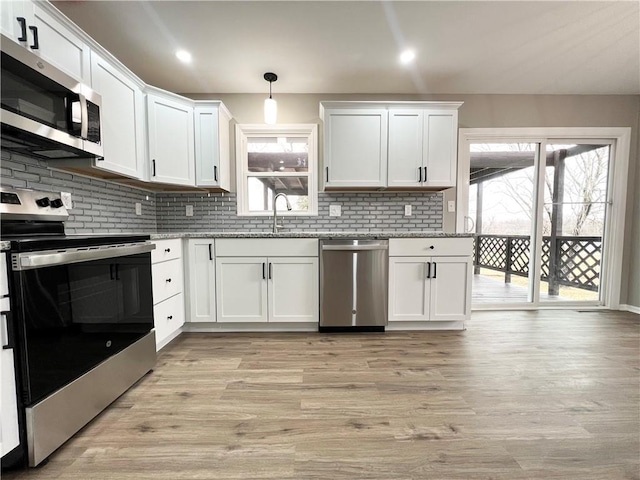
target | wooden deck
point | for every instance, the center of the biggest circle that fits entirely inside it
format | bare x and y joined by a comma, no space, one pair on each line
518,395
487,290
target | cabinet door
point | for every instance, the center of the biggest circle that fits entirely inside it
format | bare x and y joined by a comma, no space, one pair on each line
171,132
59,46
241,289
405,148
293,289
9,437
10,11
408,289
355,148
201,281
450,288
212,146
168,317
167,279
122,116
440,137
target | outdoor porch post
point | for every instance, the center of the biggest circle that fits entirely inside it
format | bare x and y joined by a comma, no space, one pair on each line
476,269
556,220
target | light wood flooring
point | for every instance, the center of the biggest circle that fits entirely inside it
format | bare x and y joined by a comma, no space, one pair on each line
518,395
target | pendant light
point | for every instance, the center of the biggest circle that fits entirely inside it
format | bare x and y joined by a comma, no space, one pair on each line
270,105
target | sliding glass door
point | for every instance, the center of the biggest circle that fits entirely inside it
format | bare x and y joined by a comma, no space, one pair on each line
502,214
539,212
574,217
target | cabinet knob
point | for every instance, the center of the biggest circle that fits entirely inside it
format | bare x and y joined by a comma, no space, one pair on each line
167,250
431,247
169,317
168,280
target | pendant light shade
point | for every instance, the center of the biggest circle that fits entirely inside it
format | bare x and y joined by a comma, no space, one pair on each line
270,105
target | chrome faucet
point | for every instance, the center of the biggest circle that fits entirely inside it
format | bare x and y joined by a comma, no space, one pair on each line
275,210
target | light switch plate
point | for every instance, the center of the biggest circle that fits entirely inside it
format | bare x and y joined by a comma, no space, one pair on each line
189,211
451,206
66,200
138,208
335,210
407,210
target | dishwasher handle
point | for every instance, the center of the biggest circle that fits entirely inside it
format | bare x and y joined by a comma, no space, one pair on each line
355,248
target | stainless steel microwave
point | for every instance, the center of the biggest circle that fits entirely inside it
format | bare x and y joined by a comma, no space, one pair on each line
45,112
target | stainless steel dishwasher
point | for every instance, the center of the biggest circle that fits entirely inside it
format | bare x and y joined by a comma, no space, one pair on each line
354,278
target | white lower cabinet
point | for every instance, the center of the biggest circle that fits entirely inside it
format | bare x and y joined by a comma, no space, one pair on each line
274,287
168,318
201,306
168,286
293,289
9,434
429,288
241,289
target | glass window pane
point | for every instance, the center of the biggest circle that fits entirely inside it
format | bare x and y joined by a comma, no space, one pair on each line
278,154
261,191
502,183
574,217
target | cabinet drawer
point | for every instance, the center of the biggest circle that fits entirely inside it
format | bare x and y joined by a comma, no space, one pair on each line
267,247
415,247
167,280
168,316
166,250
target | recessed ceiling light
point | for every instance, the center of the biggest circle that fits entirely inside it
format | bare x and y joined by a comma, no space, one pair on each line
183,56
407,56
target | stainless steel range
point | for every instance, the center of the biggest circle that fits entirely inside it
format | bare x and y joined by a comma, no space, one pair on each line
80,322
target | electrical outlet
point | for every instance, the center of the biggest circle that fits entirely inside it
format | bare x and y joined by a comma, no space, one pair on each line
407,210
66,200
189,211
335,210
451,206
138,208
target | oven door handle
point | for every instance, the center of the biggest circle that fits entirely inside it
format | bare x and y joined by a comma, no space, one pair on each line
31,260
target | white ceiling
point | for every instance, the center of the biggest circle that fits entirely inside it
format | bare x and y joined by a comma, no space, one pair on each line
536,47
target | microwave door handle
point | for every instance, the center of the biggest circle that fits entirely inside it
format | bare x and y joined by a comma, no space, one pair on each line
84,117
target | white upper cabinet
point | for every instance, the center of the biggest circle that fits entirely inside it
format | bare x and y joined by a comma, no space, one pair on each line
212,145
390,145
405,148
355,148
171,138
42,29
13,15
122,116
440,142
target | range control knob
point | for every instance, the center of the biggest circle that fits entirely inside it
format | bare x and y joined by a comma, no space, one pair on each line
43,202
56,203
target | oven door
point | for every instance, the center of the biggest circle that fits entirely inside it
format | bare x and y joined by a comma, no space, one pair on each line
77,308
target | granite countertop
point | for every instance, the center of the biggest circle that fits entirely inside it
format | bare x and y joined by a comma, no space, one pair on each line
308,234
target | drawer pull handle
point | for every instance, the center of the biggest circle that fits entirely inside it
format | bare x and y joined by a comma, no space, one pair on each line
36,43
23,29
167,250
170,317
431,247
168,280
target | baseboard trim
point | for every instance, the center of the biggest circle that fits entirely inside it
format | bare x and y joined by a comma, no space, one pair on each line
630,308
168,339
212,327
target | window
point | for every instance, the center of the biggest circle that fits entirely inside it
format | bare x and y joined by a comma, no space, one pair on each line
272,159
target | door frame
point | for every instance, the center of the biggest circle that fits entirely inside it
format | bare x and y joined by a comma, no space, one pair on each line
618,137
